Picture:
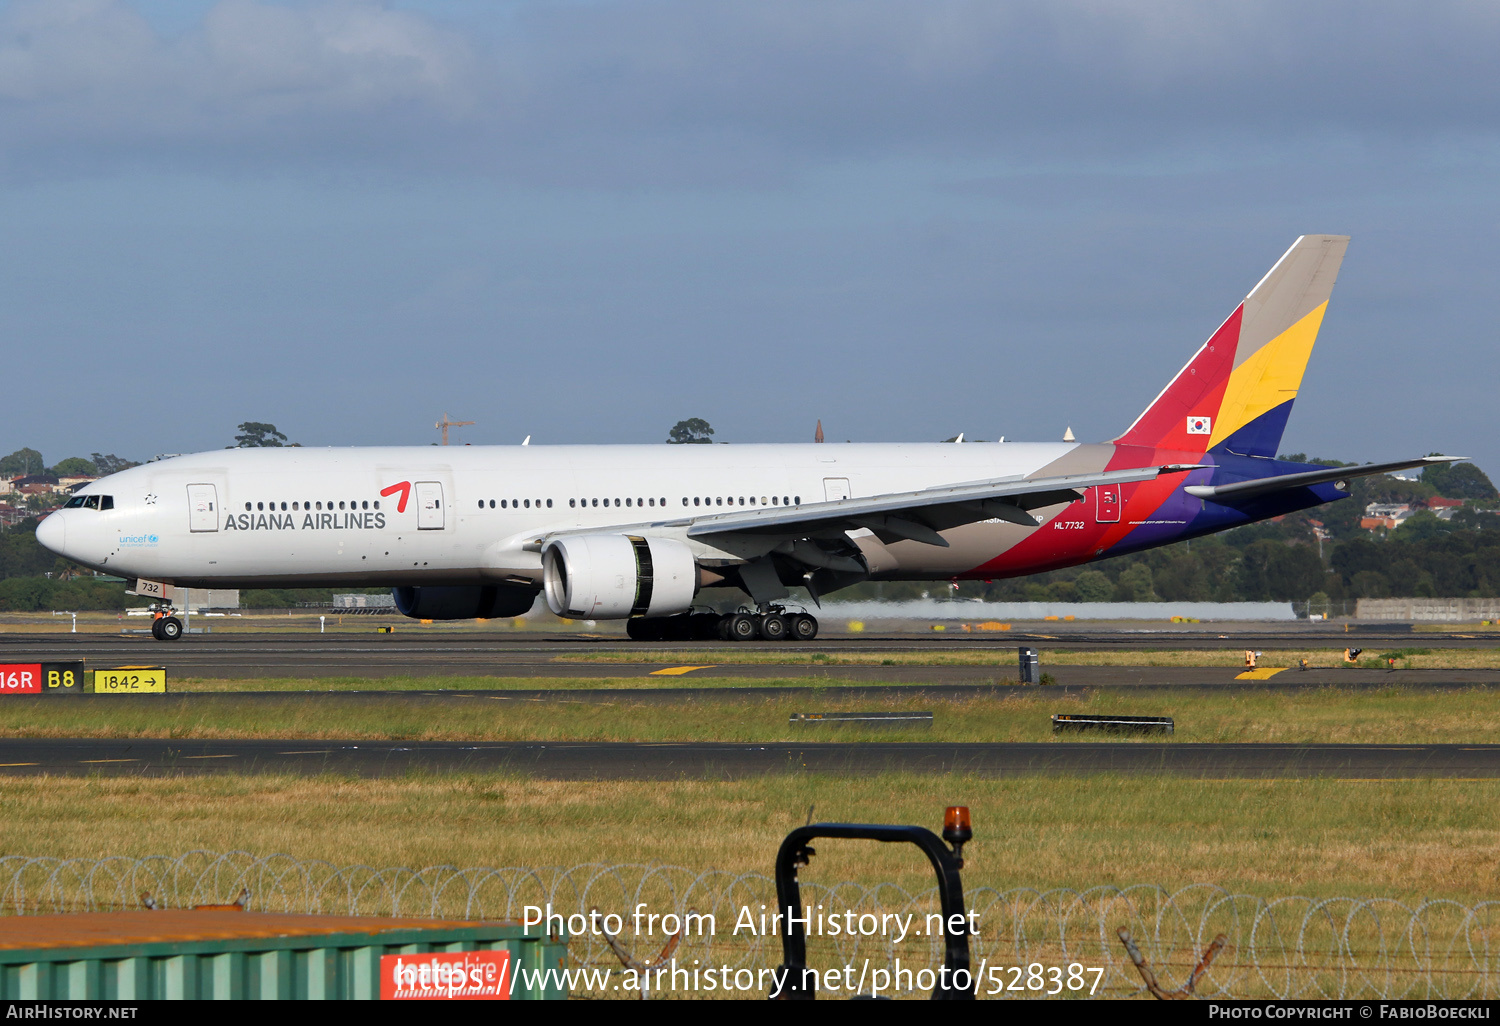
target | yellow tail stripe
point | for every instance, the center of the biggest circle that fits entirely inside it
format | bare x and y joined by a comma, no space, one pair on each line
1270,376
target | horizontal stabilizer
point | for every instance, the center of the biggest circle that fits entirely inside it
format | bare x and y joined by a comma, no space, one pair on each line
1244,491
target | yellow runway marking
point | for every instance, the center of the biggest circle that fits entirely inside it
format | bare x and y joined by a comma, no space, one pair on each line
1264,673
88,762
676,671
209,756
5,764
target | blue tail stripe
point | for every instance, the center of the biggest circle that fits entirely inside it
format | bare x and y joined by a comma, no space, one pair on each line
1260,437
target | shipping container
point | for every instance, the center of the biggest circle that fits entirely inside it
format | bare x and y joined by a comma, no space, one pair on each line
146,955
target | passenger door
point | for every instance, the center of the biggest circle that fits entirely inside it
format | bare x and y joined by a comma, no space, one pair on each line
429,506
835,488
203,507
1108,498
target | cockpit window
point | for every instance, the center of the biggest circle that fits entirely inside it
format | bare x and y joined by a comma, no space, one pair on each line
90,502
106,502
75,502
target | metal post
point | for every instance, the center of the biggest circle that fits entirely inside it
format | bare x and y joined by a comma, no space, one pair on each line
946,863
322,625
75,624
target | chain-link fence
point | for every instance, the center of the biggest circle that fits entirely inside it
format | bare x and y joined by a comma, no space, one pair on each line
1286,947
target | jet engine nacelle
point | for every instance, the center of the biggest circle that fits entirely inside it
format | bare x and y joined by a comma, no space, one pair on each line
612,576
485,602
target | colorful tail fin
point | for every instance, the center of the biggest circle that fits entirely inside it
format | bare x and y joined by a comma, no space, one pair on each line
1236,392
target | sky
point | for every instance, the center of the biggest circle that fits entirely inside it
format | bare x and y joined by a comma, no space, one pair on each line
584,221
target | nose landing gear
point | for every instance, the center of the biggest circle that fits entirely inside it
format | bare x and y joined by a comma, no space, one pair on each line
166,626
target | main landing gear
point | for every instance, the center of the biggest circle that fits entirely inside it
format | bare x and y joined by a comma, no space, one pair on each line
772,623
166,626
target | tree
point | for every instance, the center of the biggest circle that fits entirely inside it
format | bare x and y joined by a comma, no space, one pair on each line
76,466
1093,586
110,463
693,431
22,462
257,435
1459,481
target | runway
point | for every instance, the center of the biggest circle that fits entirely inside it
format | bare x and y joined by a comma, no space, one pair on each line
718,761
372,657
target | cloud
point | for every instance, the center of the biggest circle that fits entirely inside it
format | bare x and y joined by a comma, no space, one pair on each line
654,88
93,75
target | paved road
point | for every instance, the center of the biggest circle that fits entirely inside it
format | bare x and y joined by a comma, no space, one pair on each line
248,656
631,761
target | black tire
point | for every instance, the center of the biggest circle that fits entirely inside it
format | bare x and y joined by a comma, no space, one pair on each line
804,627
743,627
156,628
171,628
703,626
721,629
773,627
675,628
639,628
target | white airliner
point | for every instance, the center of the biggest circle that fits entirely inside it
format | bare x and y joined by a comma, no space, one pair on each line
635,531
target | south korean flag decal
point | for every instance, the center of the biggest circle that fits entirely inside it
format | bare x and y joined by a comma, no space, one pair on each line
1200,425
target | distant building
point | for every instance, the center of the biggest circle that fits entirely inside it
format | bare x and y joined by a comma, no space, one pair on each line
1385,516
35,484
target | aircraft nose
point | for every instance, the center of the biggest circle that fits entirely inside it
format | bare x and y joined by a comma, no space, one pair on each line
51,534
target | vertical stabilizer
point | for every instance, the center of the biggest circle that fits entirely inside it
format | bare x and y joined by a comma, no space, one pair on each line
1236,392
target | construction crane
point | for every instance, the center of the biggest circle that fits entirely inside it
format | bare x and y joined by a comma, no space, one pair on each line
445,424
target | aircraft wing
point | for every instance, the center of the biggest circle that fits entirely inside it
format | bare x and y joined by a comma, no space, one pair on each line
918,515
1244,491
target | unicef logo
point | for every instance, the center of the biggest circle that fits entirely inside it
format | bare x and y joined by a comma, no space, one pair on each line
137,541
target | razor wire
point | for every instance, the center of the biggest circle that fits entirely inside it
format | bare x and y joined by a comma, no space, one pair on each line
1290,947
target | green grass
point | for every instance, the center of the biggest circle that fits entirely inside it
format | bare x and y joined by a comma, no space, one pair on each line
1403,839
1388,715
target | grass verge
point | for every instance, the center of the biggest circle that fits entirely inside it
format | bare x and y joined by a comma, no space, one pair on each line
1385,716
1403,839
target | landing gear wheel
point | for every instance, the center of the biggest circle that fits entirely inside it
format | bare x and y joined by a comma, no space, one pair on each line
156,628
170,628
773,627
742,627
641,629
803,627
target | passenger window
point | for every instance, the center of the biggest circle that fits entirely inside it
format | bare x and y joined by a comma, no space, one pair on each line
639,502
797,499
572,503
617,502
320,505
283,507
651,502
247,507
664,501
596,502
106,502
549,503
695,501
365,504
627,502
786,500
481,504
492,504
742,500
260,506
377,503
341,505
773,500
294,507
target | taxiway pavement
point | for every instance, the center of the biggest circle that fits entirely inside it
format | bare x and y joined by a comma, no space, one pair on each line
716,761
